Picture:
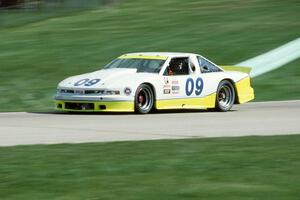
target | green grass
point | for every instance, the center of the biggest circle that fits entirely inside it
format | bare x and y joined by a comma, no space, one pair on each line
38,49
280,84
224,168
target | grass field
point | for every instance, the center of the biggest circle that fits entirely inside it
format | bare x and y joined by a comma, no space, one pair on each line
283,83
38,49
224,168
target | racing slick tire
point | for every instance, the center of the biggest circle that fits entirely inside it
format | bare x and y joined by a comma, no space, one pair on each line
225,96
144,99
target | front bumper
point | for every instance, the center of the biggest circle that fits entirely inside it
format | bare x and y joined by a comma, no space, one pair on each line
101,106
81,103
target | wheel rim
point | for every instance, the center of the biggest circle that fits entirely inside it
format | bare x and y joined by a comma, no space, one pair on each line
225,96
145,99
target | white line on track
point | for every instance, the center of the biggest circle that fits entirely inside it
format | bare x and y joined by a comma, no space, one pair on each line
273,59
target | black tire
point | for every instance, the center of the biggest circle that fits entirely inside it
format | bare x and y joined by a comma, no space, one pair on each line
144,99
225,96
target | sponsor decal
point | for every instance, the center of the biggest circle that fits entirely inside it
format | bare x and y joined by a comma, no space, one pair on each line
127,91
175,82
167,91
175,89
166,80
78,91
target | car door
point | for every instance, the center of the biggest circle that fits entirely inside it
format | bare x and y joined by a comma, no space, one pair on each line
190,82
177,73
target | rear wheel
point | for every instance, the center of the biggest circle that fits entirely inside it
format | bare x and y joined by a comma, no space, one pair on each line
144,99
225,96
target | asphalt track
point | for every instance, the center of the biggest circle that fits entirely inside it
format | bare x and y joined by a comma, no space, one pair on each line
264,118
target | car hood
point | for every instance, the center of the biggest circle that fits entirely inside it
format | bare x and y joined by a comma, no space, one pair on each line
106,76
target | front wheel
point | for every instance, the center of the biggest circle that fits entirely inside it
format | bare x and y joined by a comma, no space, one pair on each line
225,96
144,99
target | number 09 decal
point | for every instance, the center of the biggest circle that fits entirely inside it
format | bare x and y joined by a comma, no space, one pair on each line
87,82
191,85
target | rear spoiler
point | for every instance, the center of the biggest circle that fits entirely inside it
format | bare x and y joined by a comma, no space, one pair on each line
246,70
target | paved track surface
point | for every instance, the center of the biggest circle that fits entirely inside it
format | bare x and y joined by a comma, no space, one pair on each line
265,118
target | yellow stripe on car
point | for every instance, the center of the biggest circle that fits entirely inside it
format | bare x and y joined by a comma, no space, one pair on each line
188,103
144,57
246,70
111,106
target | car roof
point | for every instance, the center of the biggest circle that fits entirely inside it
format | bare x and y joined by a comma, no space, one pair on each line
166,54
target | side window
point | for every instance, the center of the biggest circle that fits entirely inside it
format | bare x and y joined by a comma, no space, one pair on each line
178,66
206,66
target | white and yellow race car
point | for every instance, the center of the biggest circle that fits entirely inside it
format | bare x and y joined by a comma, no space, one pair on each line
142,82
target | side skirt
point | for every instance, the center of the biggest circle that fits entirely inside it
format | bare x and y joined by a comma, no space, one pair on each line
187,103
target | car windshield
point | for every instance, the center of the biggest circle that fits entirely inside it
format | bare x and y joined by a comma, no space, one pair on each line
142,65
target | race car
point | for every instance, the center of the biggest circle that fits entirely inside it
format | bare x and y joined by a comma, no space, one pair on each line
142,82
